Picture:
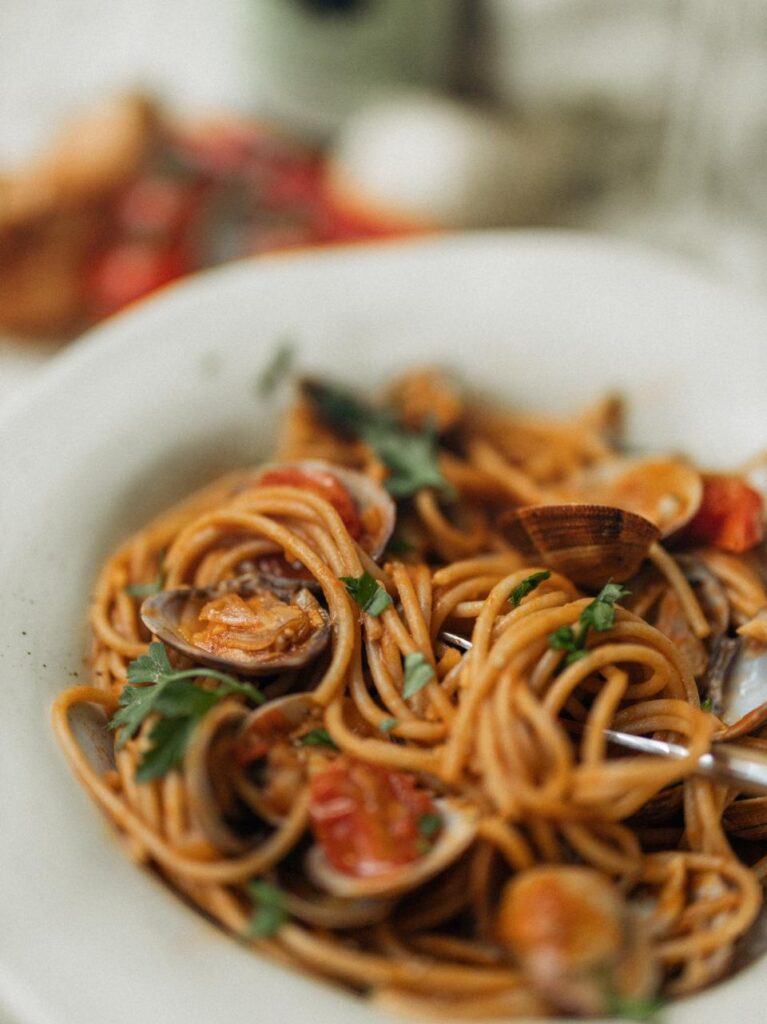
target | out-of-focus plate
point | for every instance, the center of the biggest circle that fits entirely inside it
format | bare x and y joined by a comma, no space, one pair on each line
162,398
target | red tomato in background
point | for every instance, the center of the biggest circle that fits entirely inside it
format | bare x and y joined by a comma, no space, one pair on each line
730,517
326,486
131,270
366,818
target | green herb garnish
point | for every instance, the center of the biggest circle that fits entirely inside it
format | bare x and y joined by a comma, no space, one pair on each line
399,545
269,913
599,615
418,672
630,1008
412,457
152,587
179,703
276,370
527,586
317,738
707,704
429,824
387,724
367,592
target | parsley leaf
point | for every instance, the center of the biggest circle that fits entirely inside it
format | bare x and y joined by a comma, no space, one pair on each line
527,586
707,704
387,724
168,739
367,592
429,824
412,457
399,545
317,738
151,667
599,615
179,702
147,589
277,369
634,1008
269,913
418,672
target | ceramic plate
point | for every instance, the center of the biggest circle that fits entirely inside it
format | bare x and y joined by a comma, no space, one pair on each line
163,398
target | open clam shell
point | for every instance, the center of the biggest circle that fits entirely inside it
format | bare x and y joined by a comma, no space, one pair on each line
269,724
587,543
666,492
173,616
373,504
458,832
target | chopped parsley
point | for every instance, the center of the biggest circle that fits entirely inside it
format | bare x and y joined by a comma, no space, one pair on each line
634,1008
429,824
707,704
154,586
387,724
277,369
412,457
317,738
367,592
527,586
179,703
269,913
599,615
399,545
418,672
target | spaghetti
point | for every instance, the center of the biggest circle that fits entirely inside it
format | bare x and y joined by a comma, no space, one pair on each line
445,830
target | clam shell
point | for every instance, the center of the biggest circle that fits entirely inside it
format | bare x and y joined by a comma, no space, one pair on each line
271,722
667,492
163,613
460,828
366,493
589,544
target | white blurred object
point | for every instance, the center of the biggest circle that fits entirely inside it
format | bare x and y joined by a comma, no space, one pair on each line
423,159
316,61
564,53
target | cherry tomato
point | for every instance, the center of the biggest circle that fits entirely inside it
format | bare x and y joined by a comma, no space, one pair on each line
131,270
731,515
323,484
366,818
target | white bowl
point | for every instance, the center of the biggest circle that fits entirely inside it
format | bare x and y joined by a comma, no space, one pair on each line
160,399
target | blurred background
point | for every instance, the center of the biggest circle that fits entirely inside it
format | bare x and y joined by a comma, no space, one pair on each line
143,141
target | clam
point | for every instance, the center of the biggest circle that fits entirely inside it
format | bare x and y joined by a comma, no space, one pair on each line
459,828
268,730
240,625
221,791
667,492
370,511
672,620
747,818
576,939
737,683
587,543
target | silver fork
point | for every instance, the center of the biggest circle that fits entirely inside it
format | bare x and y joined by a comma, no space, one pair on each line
731,764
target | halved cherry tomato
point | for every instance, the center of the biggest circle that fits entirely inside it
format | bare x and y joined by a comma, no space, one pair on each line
366,818
131,270
323,484
731,515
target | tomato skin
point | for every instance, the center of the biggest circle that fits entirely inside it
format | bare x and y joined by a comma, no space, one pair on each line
366,818
323,484
730,517
131,270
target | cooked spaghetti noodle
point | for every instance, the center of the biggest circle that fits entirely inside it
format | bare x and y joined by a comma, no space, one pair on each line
446,830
